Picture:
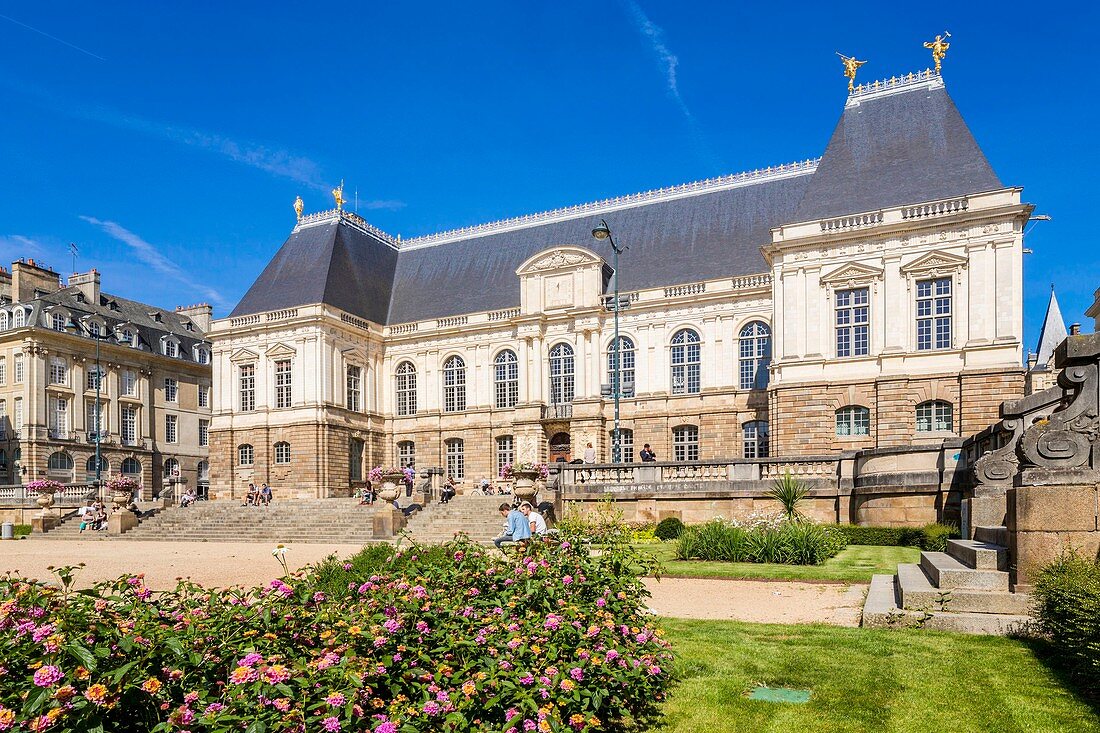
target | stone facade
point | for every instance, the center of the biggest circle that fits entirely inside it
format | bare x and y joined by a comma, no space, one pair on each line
154,364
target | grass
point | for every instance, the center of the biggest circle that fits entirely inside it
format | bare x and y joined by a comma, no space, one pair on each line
885,681
854,564
21,530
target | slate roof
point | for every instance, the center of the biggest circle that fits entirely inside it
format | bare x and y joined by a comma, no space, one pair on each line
907,146
116,311
335,263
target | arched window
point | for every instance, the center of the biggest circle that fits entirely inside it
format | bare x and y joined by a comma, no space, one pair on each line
246,456
506,367
172,467
626,445
756,353
561,374
3,319
625,352
282,453
685,362
104,465
853,420
18,317
405,378
456,458
406,454
755,439
454,384
131,467
685,443
204,470
60,463
935,416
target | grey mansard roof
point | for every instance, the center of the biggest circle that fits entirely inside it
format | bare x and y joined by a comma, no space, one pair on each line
901,143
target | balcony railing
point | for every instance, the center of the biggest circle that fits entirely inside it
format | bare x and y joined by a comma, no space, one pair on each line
69,496
557,412
645,475
57,434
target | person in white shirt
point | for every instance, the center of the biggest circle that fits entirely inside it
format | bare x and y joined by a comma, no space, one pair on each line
589,454
538,523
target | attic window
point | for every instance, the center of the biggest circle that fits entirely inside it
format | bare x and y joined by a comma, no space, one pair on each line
156,316
80,298
189,326
113,305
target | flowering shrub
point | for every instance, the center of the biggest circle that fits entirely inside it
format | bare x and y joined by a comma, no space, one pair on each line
44,486
122,485
454,641
508,470
375,474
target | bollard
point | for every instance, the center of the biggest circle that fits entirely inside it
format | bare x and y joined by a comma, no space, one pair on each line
7,531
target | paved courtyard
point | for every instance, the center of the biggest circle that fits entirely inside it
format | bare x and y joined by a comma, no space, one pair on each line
242,563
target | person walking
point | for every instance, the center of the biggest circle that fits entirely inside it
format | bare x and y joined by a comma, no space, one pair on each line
517,529
647,454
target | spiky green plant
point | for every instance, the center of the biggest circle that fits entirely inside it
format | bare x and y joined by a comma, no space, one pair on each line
789,492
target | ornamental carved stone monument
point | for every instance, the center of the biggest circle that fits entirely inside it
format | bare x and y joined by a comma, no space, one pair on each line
1052,506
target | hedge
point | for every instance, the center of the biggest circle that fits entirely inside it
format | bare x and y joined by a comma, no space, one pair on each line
1067,608
931,537
670,528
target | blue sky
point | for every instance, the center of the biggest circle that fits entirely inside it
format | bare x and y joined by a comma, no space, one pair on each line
169,142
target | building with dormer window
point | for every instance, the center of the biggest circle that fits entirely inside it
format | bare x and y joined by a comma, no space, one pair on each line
869,299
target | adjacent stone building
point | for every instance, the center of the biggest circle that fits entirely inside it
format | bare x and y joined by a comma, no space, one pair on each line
154,383
868,299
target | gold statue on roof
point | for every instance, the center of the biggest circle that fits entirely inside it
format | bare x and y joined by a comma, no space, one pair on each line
338,195
939,48
298,207
851,65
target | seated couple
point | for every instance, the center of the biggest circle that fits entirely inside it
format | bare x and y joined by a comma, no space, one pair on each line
522,524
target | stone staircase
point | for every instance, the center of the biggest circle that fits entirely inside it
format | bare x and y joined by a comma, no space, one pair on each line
336,521
964,589
475,515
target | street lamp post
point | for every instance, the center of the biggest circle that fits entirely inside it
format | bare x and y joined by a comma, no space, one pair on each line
98,404
601,233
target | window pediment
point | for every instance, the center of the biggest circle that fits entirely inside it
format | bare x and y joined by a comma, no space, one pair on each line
244,355
279,350
852,274
558,258
934,264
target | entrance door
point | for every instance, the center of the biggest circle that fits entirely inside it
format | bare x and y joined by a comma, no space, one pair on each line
560,448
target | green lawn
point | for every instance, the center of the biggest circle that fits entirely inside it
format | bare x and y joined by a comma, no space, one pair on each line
856,563
880,681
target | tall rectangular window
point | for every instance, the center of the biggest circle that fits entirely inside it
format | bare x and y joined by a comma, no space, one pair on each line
95,377
171,429
685,443
128,424
506,451
247,385
3,370
204,396
91,413
755,439
171,390
129,383
18,368
204,433
934,314
355,388
626,445
59,370
456,459
406,454
59,417
853,322
59,322
171,348
282,383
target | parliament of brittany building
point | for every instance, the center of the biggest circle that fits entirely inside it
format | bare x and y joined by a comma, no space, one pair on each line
871,298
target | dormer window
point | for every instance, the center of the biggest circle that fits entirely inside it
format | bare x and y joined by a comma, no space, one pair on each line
58,321
189,326
94,329
18,318
170,347
3,320
202,355
80,298
155,315
113,305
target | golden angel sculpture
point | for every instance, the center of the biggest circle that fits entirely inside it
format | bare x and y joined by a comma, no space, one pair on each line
338,196
939,49
851,65
299,205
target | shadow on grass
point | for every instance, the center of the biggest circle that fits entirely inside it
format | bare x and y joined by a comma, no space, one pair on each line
1055,660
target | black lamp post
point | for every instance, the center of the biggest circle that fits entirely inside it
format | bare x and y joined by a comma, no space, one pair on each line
601,233
98,401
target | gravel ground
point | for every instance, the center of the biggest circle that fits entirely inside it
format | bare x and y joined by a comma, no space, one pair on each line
778,602
208,563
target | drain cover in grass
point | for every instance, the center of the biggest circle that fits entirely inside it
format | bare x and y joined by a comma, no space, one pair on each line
779,694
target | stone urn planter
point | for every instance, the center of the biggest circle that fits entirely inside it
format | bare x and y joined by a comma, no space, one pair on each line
122,489
387,521
44,521
525,488
390,487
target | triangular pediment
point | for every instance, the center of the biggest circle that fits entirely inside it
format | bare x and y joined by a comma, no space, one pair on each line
279,350
852,272
244,355
559,258
934,263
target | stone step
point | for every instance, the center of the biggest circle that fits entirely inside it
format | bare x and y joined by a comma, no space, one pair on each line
916,593
881,610
946,572
992,535
979,555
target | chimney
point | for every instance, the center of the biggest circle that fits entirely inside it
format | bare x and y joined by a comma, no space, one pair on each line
5,285
201,314
1075,329
29,280
88,284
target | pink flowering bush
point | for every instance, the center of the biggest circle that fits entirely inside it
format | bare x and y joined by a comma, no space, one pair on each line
444,638
508,470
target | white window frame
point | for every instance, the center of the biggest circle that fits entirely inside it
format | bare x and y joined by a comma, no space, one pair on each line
506,451
685,362
627,352
246,387
406,454
934,313
506,379
853,421
454,384
935,416
562,374
685,443
754,352
754,439
204,433
354,395
282,453
246,455
405,389
171,429
171,390
284,383
456,458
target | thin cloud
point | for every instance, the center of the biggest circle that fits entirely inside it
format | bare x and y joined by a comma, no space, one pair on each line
152,257
14,246
53,38
668,60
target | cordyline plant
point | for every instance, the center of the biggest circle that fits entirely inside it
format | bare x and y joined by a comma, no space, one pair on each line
549,639
789,492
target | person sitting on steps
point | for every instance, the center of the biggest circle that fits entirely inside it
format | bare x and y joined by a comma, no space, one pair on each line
448,491
517,529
